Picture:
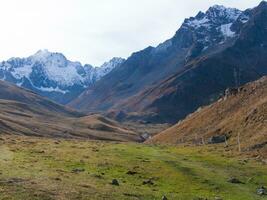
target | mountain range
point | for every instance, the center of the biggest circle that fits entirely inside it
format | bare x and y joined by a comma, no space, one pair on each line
53,75
215,50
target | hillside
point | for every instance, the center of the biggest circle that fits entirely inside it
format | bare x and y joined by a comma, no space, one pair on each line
212,51
23,112
242,111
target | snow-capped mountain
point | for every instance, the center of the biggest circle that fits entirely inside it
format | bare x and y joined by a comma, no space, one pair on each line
107,67
210,52
52,75
207,30
218,20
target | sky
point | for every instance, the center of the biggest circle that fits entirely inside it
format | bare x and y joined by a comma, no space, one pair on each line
94,31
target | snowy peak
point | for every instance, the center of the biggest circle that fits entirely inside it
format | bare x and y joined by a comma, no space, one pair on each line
218,11
108,67
210,29
48,72
215,15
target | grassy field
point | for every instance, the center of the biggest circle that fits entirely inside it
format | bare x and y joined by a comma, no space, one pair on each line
32,168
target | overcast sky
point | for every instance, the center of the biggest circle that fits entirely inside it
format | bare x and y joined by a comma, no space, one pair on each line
93,31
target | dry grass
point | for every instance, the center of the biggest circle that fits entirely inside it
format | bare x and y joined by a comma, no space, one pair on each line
244,114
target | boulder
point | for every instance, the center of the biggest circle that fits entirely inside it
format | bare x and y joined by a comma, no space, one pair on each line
115,182
217,139
234,180
262,191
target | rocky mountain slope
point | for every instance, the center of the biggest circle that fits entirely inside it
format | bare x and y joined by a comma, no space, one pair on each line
241,111
23,112
220,48
52,75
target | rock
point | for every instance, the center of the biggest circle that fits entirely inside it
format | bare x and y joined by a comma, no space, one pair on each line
217,139
234,180
77,170
230,92
131,173
164,198
262,191
148,182
115,182
218,198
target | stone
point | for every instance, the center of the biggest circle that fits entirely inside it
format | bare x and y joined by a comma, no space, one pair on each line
131,173
115,182
164,198
77,170
217,139
262,191
234,180
148,182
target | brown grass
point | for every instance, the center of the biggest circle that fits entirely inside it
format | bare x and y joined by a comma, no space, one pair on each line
244,113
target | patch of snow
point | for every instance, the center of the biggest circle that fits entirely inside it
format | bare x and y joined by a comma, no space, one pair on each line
51,89
196,23
107,67
21,72
244,19
221,11
226,30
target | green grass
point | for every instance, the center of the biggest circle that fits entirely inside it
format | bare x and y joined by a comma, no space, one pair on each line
44,169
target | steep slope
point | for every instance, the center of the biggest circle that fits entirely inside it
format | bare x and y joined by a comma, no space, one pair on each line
52,75
214,30
241,111
202,80
23,112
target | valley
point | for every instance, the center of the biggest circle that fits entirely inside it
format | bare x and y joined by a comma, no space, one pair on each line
35,168
184,120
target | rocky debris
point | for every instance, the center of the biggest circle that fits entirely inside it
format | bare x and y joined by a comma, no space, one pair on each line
234,180
262,191
115,182
77,170
217,139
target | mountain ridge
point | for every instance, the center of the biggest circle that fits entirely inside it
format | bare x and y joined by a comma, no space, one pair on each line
190,56
53,75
